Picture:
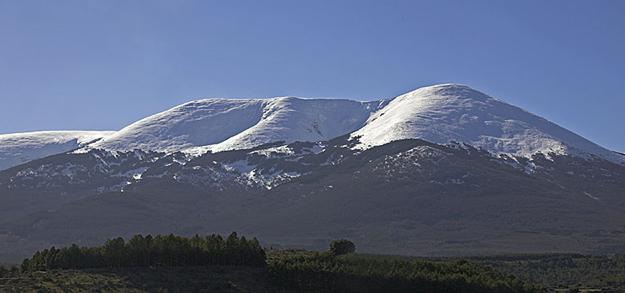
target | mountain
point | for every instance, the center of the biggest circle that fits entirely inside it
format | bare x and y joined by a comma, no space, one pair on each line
19,148
218,124
440,114
443,170
451,112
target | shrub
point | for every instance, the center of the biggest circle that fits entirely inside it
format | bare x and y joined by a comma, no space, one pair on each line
341,247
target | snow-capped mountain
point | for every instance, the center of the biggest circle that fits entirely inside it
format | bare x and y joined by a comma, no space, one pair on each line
19,148
451,112
440,114
222,124
445,169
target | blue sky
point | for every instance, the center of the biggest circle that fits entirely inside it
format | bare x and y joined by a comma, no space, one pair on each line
104,64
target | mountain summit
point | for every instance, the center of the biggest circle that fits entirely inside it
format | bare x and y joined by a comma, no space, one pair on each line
226,124
440,114
457,113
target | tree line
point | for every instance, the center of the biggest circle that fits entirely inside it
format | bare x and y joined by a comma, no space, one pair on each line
144,251
331,272
337,270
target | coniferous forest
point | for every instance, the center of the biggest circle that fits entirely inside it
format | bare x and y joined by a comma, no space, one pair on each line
238,264
149,251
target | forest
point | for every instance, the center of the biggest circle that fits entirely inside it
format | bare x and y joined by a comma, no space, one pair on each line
238,264
337,269
326,272
140,251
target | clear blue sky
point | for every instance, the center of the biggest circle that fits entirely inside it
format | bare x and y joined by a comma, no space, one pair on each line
103,64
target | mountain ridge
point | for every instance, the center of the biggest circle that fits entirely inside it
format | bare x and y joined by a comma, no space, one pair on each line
441,113
19,148
223,124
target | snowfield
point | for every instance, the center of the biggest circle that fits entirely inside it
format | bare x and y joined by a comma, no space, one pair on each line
440,114
456,113
294,119
19,148
196,123
223,124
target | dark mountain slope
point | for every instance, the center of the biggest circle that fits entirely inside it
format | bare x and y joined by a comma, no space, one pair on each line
406,197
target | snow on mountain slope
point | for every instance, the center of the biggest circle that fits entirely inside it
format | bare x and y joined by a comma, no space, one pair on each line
191,124
291,119
451,112
439,114
19,148
222,124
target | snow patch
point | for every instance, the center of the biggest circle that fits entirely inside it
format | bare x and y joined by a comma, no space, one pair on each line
591,196
20,148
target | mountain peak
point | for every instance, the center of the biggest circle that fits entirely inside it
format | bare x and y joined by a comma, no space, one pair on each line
446,91
457,113
440,113
447,86
224,124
